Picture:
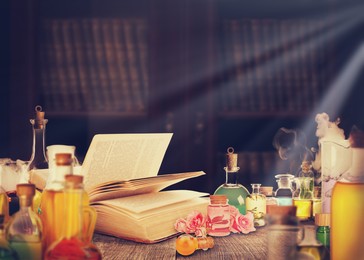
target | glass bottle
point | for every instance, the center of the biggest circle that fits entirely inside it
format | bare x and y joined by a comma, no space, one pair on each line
51,205
24,231
284,191
316,201
6,253
256,203
309,245
347,207
268,192
303,202
218,216
70,245
38,162
235,192
187,244
322,222
4,205
88,222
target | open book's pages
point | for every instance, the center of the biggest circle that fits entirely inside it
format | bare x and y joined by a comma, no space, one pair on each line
147,218
113,157
119,189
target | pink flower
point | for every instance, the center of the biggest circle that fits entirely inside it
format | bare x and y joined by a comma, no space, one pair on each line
201,232
194,221
243,223
180,225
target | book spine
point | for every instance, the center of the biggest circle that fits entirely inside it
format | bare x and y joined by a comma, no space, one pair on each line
104,89
286,36
121,64
80,49
96,101
61,89
114,79
277,68
223,94
249,68
257,95
129,32
74,91
142,46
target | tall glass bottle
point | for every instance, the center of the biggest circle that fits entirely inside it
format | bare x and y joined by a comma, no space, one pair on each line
70,245
38,160
347,207
235,192
256,203
51,205
306,184
24,231
284,191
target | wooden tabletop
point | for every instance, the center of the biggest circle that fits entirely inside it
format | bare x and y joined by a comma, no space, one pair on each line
234,246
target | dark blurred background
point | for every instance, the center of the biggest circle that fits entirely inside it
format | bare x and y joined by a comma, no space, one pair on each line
216,73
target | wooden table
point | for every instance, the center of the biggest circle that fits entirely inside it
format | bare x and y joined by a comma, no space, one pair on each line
234,246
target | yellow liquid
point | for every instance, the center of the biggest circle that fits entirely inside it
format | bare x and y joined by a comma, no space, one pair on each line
4,206
27,250
52,215
347,221
304,208
257,205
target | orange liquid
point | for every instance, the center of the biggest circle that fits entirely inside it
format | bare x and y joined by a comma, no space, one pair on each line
347,221
52,216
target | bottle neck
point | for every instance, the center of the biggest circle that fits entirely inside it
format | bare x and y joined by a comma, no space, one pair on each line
231,176
205,242
38,158
56,178
25,202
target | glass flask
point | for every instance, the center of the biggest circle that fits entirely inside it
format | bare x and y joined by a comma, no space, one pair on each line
284,191
24,231
187,244
52,201
70,245
235,192
256,203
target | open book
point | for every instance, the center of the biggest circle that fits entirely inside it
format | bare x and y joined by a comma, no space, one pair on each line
121,177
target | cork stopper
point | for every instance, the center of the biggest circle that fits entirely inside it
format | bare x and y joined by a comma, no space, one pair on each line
205,242
306,166
322,219
39,121
231,159
64,159
25,189
266,190
75,179
218,199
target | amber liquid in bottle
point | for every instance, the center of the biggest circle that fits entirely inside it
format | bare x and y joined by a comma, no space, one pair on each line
347,211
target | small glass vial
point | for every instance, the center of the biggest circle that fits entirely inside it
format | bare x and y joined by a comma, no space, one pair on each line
218,216
316,201
256,203
268,192
284,191
187,244
309,245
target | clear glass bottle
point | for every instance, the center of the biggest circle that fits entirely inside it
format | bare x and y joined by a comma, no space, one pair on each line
218,216
88,222
309,245
71,245
284,191
235,192
347,207
24,231
6,253
256,203
38,160
187,244
52,205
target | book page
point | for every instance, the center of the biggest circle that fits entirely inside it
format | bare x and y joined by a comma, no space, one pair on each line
113,157
151,201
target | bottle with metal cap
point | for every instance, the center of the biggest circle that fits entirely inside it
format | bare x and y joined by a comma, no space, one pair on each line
235,192
24,231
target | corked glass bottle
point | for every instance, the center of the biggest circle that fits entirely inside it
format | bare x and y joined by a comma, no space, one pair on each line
218,216
187,244
235,192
